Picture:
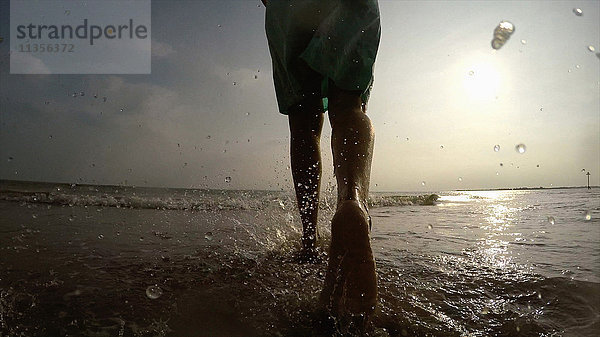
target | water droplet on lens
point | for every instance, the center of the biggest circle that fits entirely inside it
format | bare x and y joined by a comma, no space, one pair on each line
442,147
501,164
234,83
591,48
551,220
471,73
459,178
502,33
430,226
578,11
588,216
496,148
208,236
523,41
100,236
153,292
121,110
423,183
521,148
227,179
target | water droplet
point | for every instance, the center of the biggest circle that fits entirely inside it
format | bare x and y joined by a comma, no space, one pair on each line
501,164
423,183
497,173
523,41
542,108
471,73
496,148
208,236
429,226
551,220
10,158
588,216
591,48
582,170
234,83
485,311
121,109
459,178
255,77
100,236
228,179
441,147
577,11
578,66
95,95
521,148
208,137
219,26
141,238
502,33
153,292
538,165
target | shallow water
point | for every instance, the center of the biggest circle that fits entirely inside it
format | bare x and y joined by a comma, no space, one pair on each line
484,263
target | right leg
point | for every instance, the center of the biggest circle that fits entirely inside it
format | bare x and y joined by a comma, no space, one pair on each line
351,282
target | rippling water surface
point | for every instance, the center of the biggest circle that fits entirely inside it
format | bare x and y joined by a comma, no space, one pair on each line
79,260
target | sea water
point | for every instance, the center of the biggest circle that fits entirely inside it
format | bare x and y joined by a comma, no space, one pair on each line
84,260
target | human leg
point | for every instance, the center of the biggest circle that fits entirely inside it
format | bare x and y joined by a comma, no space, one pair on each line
306,122
351,282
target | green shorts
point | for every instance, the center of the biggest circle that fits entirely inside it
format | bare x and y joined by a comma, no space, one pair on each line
313,42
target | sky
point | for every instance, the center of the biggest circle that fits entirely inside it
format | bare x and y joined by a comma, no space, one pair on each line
442,99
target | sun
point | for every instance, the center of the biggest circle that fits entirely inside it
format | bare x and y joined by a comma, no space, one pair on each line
481,81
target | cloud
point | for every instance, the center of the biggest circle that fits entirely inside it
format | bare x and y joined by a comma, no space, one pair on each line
161,50
26,63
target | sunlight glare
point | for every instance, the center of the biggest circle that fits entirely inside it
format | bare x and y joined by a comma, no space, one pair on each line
482,81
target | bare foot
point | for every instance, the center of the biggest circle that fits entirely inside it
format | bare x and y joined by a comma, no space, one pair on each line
351,283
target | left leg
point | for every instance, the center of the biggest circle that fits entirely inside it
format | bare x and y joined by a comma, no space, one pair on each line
306,122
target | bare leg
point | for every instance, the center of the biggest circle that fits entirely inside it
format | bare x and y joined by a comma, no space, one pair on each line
306,122
351,282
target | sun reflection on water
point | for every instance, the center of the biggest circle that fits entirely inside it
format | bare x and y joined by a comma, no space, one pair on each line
498,227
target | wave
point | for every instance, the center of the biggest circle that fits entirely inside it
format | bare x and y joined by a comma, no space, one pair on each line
203,201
